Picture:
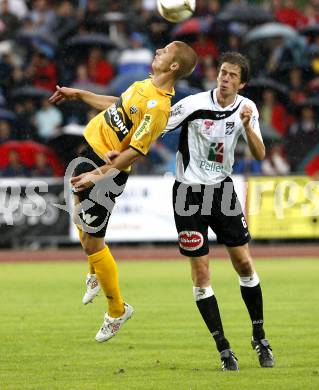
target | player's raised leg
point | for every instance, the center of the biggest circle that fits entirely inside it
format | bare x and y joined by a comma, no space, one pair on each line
208,308
105,268
92,284
252,295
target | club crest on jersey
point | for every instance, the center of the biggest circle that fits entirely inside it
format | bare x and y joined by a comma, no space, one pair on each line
207,127
133,110
151,103
230,127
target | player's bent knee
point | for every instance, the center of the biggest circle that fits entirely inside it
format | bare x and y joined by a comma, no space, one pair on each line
244,266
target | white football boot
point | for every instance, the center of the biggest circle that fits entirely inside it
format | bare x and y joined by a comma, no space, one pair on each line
92,289
111,326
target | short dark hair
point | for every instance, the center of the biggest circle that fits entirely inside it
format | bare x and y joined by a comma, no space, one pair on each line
235,58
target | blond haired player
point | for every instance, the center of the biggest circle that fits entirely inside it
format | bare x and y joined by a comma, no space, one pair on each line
129,125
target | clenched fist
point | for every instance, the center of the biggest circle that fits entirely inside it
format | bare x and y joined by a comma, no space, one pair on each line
245,115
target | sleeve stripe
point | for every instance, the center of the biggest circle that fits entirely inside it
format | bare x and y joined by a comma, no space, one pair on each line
133,147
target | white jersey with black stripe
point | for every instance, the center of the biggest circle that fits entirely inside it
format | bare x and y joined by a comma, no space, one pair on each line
208,137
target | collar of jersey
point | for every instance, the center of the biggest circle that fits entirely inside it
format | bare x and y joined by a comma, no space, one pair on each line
162,91
215,101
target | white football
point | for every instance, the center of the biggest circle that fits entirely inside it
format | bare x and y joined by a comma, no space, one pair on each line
176,11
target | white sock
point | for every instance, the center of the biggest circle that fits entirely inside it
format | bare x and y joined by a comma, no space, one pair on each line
202,292
249,281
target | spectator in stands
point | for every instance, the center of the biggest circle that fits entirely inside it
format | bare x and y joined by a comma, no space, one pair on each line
247,165
157,32
272,113
6,71
42,71
233,41
25,119
9,22
42,16
311,14
18,8
290,14
213,7
19,77
5,131
89,11
99,70
41,168
65,19
275,162
136,58
205,47
209,80
82,77
272,6
48,120
201,8
14,167
296,86
302,137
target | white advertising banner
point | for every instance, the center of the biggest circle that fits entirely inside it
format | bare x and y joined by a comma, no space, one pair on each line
144,211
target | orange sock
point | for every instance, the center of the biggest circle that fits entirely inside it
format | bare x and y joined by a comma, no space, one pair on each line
106,272
80,231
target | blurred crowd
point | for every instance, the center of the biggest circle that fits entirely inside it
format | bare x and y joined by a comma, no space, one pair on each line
104,46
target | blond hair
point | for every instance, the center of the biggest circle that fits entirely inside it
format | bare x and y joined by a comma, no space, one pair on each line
187,59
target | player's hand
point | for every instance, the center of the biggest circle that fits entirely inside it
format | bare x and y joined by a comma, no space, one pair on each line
85,181
62,94
109,156
245,115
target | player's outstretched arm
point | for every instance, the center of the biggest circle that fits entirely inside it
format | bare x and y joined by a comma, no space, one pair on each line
99,102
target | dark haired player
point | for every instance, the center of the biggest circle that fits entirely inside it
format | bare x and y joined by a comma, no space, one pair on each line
211,124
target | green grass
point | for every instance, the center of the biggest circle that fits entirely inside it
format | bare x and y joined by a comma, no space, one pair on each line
47,335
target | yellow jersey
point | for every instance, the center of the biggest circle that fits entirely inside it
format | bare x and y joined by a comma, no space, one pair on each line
135,120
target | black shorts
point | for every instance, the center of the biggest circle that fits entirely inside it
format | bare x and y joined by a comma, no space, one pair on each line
200,206
97,202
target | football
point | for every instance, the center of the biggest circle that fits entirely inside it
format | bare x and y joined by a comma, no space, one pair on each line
176,11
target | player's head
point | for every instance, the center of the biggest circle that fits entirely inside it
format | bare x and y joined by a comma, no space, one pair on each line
233,72
177,59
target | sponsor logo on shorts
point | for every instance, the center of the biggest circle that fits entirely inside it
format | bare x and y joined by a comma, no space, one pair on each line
190,240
